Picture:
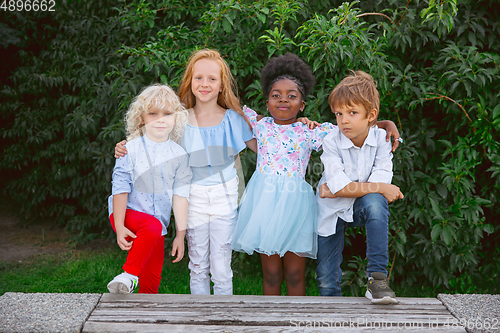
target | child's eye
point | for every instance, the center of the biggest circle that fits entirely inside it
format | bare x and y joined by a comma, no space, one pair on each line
275,95
291,96
152,113
353,112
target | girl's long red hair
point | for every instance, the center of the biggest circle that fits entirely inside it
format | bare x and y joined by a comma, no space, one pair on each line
228,97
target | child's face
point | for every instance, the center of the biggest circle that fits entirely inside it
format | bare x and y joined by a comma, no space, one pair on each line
353,121
285,102
206,80
159,122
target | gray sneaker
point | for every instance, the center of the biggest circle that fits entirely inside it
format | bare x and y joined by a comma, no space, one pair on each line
378,291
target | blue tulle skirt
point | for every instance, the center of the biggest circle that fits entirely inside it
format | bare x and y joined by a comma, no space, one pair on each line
277,214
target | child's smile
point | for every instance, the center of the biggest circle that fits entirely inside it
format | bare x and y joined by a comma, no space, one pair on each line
206,81
285,101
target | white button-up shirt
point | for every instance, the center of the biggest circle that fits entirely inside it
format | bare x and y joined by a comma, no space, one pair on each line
345,163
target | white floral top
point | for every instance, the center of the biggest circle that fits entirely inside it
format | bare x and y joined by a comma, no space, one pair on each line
284,150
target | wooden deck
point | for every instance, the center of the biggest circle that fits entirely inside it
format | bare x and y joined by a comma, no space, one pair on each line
192,313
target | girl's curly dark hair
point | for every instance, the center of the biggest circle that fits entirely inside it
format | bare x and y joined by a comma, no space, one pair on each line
287,66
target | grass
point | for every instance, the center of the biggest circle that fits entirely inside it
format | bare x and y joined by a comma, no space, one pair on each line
89,271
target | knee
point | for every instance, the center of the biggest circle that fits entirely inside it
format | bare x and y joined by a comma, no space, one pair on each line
375,203
153,230
273,276
294,277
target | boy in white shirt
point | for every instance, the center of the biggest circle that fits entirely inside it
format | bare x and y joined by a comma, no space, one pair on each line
355,188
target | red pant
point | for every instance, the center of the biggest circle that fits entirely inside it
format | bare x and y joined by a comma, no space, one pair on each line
145,258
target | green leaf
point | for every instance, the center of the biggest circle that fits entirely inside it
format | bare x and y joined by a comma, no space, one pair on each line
261,17
447,235
436,232
226,25
436,209
472,38
442,191
488,228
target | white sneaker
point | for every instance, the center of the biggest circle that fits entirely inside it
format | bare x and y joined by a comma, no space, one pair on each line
124,283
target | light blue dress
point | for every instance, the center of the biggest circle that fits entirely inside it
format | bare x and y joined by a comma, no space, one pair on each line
278,209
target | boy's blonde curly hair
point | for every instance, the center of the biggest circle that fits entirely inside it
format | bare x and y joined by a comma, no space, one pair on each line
158,94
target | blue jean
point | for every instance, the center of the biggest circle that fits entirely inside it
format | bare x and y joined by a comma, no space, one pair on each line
371,211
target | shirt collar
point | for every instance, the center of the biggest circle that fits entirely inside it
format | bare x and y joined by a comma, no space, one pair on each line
370,140
153,143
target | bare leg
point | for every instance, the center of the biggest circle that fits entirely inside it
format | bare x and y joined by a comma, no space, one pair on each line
295,274
272,268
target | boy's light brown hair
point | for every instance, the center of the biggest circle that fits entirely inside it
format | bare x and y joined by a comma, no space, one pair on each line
358,88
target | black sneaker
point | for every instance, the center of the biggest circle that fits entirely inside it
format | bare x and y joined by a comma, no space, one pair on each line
378,291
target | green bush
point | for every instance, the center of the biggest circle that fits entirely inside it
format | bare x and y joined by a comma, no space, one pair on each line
436,63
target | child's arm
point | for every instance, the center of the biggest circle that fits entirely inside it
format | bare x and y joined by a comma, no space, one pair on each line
252,145
181,189
253,118
356,190
388,125
180,208
122,233
378,180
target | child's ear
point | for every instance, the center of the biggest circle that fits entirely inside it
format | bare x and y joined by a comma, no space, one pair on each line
372,115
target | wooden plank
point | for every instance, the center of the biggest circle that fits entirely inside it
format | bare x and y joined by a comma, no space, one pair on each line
282,311
278,307
154,328
245,299
248,313
252,318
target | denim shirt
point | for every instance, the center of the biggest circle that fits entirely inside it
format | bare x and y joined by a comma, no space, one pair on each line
151,173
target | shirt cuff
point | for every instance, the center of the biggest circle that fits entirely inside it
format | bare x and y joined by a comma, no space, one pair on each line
380,177
183,191
338,182
121,188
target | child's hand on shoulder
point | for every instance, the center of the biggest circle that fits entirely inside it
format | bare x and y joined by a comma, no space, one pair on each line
310,123
392,131
120,149
178,246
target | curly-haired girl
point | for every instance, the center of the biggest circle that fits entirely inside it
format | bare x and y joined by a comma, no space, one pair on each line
148,183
